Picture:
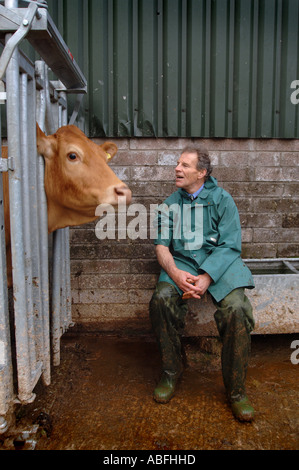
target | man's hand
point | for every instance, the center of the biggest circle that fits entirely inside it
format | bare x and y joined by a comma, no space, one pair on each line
186,282
202,283
192,286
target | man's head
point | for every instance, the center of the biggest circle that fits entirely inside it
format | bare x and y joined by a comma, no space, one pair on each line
193,168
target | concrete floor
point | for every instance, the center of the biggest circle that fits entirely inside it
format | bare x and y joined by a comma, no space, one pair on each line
101,399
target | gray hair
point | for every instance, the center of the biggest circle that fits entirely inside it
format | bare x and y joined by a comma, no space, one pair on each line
204,161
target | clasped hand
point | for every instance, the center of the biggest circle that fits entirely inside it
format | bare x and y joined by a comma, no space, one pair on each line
192,286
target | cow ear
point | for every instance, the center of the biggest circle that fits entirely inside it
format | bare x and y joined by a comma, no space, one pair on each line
110,148
46,145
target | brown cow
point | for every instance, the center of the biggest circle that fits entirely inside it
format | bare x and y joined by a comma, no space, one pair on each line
77,180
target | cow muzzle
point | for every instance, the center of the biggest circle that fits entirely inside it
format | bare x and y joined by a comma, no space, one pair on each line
123,193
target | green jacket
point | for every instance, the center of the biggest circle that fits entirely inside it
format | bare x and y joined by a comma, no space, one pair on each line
213,245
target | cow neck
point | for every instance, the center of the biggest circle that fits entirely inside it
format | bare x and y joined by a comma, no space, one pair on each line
59,218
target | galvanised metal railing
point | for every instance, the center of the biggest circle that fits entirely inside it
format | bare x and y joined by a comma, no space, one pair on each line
37,311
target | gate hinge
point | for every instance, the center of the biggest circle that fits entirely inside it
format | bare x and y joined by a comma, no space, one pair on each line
6,164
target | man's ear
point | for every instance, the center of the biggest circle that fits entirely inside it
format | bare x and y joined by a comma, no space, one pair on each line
46,145
110,149
202,174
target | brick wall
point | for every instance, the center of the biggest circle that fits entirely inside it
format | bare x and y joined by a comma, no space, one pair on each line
113,280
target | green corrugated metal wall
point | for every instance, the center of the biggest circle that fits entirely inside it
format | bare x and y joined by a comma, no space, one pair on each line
187,68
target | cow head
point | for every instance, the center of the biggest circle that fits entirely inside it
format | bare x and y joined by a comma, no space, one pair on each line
77,177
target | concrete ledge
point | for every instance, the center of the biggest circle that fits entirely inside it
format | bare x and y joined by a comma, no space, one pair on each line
275,302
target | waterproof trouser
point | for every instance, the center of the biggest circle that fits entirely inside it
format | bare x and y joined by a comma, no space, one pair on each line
234,322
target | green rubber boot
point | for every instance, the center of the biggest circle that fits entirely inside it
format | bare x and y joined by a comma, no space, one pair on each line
166,387
242,410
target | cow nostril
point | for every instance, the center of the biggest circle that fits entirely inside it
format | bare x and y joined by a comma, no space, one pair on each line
123,191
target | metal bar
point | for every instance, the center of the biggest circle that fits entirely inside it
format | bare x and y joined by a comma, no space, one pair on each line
8,16
41,320
6,370
43,227
49,124
16,217
14,40
290,266
76,109
64,112
41,97
66,288
56,297
52,48
57,326
273,265
44,267
63,316
271,260
46,40
27,217
26,66
67,279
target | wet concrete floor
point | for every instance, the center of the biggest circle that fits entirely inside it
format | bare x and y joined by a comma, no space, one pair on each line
100,398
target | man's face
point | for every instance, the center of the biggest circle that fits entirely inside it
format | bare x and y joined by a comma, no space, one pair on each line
188,177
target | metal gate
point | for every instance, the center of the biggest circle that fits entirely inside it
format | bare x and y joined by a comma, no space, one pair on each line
37,312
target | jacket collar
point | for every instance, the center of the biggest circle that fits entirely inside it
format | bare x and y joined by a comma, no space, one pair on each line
210,184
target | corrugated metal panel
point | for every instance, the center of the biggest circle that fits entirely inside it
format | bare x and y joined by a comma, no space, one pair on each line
190,68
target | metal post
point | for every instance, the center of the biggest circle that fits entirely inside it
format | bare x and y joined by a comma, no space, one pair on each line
67,268
43,226
34,222
61,289
50,126
63,283
56,297
68,279
38,323
27,216
41,95
16,216
6,370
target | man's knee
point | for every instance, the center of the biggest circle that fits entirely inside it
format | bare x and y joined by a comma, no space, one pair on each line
162,294
166,306
235,308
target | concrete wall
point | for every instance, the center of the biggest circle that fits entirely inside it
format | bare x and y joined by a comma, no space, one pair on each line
113,280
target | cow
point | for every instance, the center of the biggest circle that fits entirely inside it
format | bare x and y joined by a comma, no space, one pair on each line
77,180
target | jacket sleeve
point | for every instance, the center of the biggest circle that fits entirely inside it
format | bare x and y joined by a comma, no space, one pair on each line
229,240
163,225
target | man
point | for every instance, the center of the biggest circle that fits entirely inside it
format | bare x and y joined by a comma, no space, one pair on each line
210,262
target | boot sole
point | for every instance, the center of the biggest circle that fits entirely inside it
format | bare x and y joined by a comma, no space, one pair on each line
244,419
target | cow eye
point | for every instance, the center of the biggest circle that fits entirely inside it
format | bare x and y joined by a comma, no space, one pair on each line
72,157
